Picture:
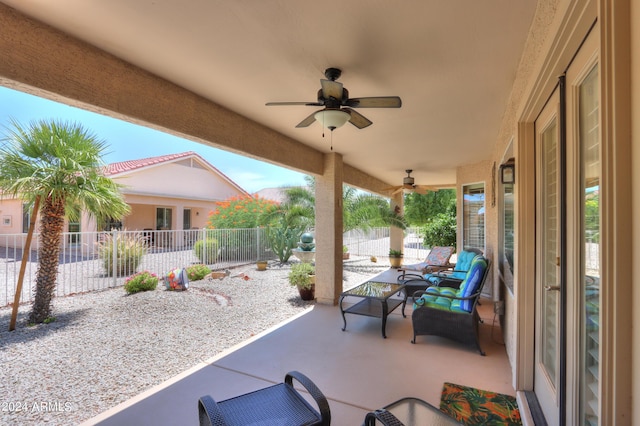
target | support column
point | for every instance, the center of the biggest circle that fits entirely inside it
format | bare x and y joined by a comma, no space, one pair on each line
396,240
328,233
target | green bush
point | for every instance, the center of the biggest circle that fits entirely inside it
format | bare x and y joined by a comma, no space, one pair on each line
206,250
441,231
300,275
128,249
142,281
197,272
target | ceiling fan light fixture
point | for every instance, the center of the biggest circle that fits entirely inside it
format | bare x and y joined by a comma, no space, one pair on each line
332,118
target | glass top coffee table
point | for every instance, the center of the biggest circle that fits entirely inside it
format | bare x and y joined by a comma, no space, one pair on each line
409,412
377,301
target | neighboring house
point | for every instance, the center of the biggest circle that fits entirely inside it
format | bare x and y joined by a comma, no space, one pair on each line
168,192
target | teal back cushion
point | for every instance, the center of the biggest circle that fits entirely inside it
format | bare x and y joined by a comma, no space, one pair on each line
472,282
464,260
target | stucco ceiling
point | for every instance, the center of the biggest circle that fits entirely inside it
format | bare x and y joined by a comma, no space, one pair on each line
453,64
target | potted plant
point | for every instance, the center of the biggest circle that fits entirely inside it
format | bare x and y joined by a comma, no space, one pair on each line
262,265
345,252
395,258
302,275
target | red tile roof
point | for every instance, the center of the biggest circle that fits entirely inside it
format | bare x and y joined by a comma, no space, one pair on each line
126,166
129,165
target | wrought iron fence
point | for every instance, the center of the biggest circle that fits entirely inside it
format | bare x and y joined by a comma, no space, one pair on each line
88,259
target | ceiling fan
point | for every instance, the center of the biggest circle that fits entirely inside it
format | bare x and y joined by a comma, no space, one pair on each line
338,107
408,185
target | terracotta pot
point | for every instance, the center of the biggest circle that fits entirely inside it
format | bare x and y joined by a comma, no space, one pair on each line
345,256
262,265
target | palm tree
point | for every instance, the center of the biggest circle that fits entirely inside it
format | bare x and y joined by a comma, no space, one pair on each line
56,165
360,210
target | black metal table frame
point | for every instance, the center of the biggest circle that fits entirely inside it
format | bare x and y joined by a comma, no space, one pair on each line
369,307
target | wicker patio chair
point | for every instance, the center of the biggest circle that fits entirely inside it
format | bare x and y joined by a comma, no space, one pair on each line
449,312
458,271
279,404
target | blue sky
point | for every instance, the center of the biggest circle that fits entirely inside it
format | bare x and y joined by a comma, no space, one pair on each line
128,141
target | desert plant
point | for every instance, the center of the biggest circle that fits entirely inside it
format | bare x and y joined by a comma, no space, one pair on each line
283,240
197,272
300,275
142,281
128,249
395,253
206,250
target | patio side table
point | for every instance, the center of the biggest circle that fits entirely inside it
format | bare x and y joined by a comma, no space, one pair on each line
409,412
376,301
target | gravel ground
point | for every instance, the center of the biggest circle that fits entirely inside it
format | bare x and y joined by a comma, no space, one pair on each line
106,347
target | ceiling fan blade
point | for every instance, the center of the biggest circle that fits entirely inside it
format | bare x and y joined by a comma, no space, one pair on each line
331,89
308,121
293,103
375,102
357,119
423,189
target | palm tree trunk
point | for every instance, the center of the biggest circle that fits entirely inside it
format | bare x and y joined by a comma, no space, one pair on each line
51,228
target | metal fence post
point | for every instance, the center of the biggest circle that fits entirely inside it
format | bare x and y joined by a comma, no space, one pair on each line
114,258
258,245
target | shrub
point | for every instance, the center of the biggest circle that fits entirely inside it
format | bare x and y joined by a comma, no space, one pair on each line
142,281
206,250
197,272
238,212
300,275
395,253
128,249
440,231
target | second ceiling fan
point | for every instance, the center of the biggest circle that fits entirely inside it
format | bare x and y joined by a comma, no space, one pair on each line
338,106
408,185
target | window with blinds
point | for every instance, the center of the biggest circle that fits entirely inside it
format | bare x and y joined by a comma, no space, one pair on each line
473,210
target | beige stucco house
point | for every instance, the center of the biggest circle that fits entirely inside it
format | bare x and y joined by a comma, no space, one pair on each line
168,192
553,84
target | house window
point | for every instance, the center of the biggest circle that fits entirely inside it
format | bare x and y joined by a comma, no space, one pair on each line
163,218
74,233
473,216
186,219
507,225
110,224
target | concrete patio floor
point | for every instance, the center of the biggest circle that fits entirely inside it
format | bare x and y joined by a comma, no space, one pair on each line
357,370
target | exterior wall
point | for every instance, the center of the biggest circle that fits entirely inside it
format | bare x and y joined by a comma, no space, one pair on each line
10,209
177,178
143,212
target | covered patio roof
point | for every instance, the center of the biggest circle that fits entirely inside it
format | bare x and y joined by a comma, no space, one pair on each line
453,65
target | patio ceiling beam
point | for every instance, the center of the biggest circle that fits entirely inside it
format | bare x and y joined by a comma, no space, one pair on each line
45,62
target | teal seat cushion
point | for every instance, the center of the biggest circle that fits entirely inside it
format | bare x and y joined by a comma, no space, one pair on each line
434,298
472,282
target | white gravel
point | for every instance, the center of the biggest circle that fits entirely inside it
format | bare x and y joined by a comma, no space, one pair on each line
106,347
